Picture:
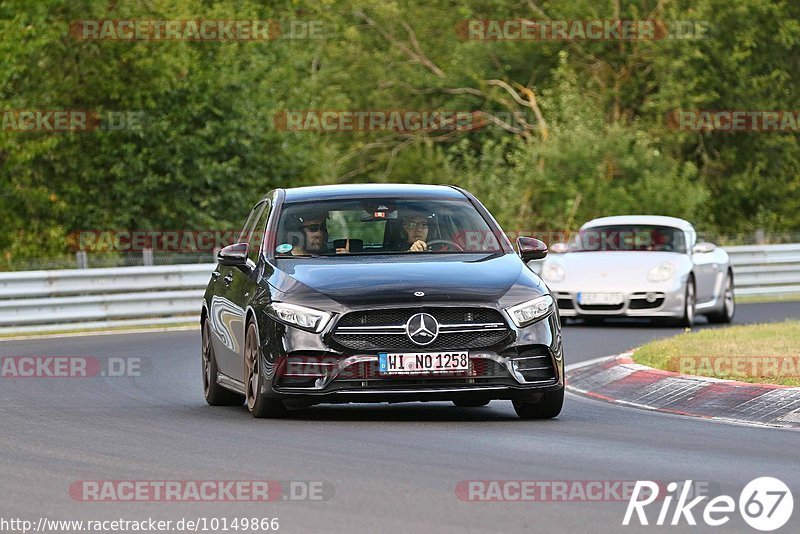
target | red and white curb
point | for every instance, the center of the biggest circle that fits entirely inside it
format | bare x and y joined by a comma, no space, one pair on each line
619,380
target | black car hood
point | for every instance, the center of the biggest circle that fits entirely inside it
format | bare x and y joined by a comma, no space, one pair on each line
355,281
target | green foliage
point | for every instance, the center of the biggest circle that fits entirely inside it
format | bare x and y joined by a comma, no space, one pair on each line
208,148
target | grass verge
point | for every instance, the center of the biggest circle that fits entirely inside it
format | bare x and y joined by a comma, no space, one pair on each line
759,353
786,297
94,330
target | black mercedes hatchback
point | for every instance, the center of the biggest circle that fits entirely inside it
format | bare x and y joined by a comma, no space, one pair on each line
379,293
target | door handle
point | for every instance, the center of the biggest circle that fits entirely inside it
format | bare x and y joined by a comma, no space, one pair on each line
214,275
228,279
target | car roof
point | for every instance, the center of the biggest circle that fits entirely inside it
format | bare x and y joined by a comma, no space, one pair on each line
655,220
329,192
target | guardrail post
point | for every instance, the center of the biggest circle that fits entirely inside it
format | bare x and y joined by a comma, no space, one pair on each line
82,259
147,256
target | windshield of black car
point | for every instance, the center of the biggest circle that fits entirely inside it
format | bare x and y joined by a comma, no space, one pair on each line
383,226
629,237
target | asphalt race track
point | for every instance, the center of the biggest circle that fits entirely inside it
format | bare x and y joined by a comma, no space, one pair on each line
394,468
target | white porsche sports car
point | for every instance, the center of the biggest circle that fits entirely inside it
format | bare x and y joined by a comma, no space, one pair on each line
640,266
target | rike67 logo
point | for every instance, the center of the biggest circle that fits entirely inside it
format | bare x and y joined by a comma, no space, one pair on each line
765,504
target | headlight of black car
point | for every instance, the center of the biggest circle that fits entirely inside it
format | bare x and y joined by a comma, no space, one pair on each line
531,311
305,318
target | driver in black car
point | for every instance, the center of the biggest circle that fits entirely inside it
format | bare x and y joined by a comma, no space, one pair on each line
411,232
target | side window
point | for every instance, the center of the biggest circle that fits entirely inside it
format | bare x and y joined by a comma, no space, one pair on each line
247,230
248,225
258,235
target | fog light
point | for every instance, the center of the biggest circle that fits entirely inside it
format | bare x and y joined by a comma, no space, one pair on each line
651,297
532,366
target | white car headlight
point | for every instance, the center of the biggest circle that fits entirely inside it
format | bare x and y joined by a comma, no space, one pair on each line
531,311
553,272
661,273
300,316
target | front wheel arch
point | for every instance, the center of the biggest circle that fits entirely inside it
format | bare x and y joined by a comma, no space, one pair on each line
726,313
257,401
688,318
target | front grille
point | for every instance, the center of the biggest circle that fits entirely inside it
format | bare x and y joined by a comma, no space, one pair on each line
399,316
445,341
601,307
469,328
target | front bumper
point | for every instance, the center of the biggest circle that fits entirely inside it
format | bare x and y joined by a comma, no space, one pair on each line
488,393
637,303
513,371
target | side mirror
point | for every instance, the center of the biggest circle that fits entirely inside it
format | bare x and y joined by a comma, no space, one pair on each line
703,247
559,248
531,249
234,255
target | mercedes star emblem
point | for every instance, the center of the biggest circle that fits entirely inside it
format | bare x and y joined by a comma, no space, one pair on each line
422,328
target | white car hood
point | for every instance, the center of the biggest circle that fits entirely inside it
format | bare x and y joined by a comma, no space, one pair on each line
611,270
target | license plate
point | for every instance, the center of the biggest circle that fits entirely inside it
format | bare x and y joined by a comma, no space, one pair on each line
422,362
608,299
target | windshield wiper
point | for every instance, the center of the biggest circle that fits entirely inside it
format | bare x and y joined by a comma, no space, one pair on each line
493,255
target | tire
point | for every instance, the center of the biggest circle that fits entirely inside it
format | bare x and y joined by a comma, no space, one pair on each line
257,402
725,315
214,394
689,305
548,407
470,404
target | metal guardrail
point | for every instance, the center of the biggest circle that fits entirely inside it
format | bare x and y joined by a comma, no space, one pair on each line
765,270
43,301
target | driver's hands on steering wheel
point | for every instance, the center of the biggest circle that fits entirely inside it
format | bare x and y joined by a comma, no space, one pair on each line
418,246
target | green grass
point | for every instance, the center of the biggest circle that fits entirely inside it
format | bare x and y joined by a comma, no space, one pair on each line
788,297
760,353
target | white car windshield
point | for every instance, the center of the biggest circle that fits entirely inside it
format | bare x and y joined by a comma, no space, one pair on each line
629,237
